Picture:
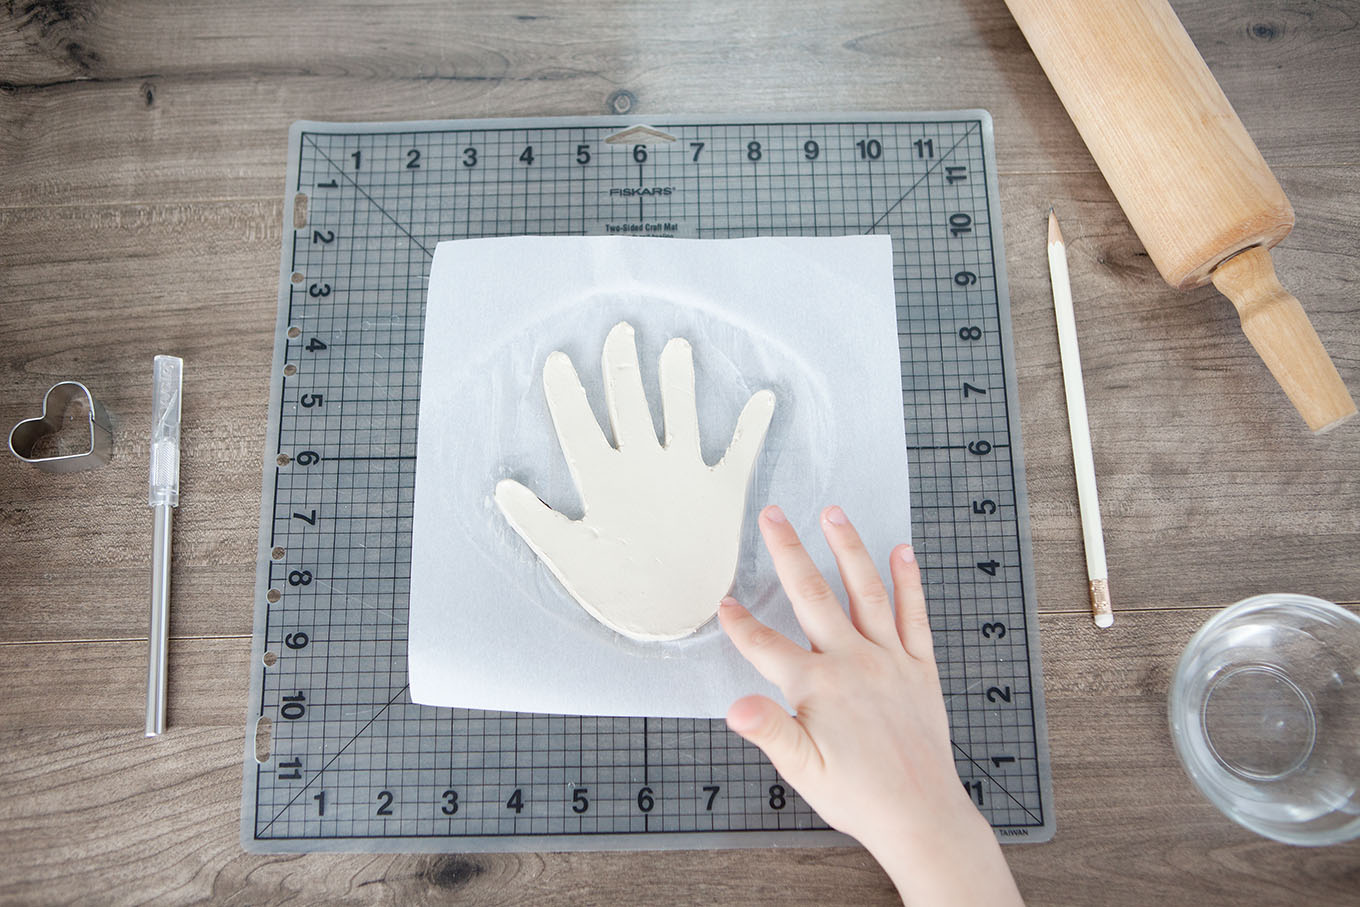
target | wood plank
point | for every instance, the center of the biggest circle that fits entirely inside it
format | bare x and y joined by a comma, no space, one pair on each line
105,814
101,686
100,108
140,213
93,293
1205,473
1198,455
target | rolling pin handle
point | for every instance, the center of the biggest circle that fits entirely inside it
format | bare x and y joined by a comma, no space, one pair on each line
1279,329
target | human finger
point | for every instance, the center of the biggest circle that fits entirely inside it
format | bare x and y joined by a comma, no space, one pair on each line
913,622
770,652
624,397
870,604
764,722
678,409
818,610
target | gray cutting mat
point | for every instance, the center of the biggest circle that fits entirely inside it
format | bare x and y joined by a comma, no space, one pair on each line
337,757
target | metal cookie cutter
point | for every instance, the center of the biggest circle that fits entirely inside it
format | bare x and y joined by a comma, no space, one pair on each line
24,437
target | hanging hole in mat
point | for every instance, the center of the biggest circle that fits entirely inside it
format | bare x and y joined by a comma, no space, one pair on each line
295,332
284,459
297,277
639,135
264,739
273,595
270,659
290,370
299,211
278,553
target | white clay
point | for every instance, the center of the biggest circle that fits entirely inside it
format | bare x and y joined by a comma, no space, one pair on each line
656,549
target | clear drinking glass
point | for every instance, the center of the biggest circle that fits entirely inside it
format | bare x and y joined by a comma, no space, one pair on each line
1265,716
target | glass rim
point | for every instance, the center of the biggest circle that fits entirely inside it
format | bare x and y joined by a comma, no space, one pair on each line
1261,603
1179,731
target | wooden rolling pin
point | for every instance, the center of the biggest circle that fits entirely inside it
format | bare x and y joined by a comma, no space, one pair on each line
1190,179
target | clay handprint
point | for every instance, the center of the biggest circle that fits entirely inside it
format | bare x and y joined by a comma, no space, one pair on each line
656,548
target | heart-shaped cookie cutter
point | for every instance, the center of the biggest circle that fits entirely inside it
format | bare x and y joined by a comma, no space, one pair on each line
24,437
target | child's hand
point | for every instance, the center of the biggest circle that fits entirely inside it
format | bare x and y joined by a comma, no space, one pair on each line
869,744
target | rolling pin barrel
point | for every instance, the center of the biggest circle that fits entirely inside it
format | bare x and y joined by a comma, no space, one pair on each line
1189,178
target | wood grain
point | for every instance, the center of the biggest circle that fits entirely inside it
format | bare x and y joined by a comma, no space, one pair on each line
198,107
140,212
1174,398
159,819
1189,178
1278,328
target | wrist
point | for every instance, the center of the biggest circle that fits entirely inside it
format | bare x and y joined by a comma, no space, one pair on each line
952,862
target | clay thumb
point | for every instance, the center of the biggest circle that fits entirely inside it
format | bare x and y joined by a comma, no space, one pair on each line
537,523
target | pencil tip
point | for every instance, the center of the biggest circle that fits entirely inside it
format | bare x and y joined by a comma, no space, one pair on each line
1054,233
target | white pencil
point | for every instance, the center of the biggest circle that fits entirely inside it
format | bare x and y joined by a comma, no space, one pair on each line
1096,571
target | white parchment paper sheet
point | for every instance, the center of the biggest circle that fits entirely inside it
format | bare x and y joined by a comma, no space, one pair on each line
812,319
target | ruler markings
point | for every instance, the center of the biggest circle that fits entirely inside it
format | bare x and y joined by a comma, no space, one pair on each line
751,797
319,772
351,181
998,785
965,713
918,182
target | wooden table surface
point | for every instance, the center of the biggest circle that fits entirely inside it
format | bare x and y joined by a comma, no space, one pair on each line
141,204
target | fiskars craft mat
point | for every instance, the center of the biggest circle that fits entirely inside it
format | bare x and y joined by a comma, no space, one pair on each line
337,757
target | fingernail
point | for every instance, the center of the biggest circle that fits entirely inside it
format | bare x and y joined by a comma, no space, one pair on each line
775,515
907,555
835,516
728,602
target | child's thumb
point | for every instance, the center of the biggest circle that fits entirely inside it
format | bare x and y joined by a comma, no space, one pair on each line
764,722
